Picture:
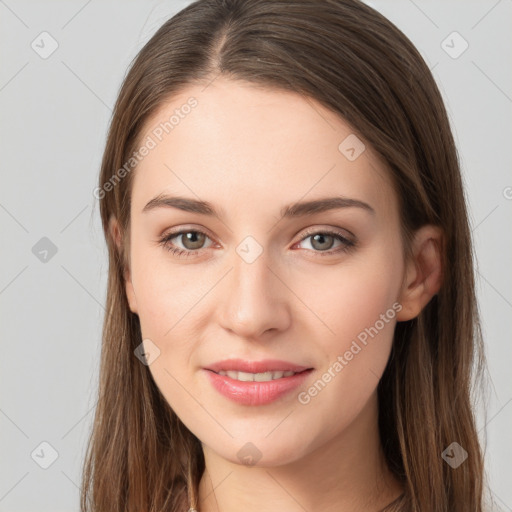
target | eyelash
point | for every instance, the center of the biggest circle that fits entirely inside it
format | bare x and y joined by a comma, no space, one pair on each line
185,253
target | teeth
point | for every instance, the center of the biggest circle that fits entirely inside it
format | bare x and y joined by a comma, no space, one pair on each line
256,377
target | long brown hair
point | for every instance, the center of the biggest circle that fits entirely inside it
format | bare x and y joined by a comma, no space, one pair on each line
348,57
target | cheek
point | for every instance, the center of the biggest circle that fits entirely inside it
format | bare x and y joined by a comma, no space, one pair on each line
351,296
358,302
165,292
170,301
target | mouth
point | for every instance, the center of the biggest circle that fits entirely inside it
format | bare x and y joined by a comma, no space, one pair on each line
258,377
256,388
257,371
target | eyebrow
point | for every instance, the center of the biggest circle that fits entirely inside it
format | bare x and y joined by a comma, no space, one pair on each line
299,209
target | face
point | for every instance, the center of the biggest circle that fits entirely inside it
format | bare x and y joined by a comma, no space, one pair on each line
319,288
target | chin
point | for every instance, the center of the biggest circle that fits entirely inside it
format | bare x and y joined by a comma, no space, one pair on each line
262,452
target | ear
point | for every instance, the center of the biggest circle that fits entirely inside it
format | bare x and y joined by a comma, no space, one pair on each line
115,233
423,274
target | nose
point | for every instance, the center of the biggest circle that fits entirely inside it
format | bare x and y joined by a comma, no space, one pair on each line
254,299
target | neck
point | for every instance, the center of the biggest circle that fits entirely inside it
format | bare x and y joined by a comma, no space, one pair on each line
345,473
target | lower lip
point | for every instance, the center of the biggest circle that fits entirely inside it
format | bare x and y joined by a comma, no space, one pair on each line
255,393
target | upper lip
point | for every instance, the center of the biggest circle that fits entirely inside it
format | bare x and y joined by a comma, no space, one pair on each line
265,365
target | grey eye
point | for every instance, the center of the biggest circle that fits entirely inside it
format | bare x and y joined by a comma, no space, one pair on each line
192,239
322,241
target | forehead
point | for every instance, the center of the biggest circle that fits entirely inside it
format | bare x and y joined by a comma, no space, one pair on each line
238,144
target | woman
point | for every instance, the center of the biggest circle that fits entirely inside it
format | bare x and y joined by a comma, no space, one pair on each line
245,365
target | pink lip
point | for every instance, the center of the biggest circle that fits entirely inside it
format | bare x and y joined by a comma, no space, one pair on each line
255,393
266,365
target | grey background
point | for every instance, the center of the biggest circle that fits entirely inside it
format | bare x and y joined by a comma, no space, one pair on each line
54,116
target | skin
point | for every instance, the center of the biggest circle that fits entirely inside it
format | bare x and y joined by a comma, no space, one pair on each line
250,151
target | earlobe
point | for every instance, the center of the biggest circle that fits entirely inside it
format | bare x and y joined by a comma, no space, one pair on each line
115,233
423,273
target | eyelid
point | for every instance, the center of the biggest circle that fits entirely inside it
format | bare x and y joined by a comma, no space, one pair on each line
185,229
328,230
